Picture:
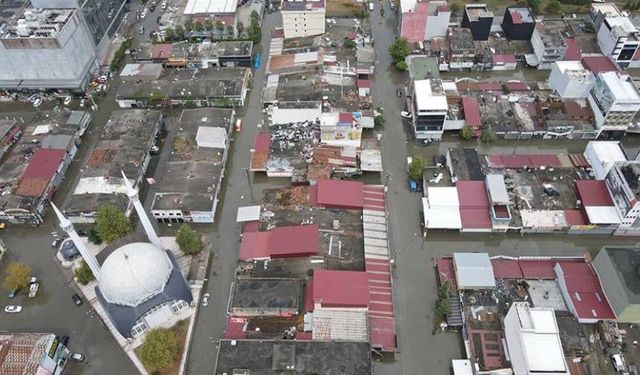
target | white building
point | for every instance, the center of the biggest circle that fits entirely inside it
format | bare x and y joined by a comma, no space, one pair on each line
617,36
615,101
603,156
50,48
303,18
548,45
533,340
429,108
570,79
438,16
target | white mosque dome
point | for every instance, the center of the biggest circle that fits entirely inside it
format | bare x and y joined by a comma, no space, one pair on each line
134,273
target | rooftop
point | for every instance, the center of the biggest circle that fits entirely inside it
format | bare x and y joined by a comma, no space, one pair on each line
461,40
551,35
38,23
302,5
341,288
210,6
265,357
477,11
337,193
280,242
429,95
208,49
193,173
520,15
598,64
22,353
626,263
423,67
621,87
267,293
473,271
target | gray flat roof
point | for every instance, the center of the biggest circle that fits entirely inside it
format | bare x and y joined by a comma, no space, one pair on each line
626,262
474,270
268,357
267,293
193,174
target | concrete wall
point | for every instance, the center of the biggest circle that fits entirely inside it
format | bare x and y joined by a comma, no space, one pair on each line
514,343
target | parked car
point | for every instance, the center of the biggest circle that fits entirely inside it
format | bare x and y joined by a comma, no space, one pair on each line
13,293
77,299
405,114
141,30
64,340
37,102
78,357
13,309
205,300
399,93
82,103
56,242
67,100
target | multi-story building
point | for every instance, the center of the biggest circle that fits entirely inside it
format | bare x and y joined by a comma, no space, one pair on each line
429,108
618,38
462,49
518,23
617,268
32,353
438,16
570,79
422,20
615,101
303,18
478,18
548,44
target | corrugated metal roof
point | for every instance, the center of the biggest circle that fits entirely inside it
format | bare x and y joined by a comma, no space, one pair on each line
471,111
341,288
294,241
497,189
336,193
594,193
473,270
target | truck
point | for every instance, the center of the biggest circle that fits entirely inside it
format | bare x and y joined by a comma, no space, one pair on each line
33,287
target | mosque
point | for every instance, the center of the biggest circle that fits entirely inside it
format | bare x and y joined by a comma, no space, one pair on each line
140,285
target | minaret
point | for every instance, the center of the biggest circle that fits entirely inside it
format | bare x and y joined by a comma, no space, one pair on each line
89,258
132,193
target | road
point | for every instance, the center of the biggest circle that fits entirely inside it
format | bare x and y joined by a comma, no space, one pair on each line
225,234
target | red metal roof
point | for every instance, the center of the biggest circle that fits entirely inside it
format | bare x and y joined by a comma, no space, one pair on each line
575,217
504,59
254,245
593,193
598,64
235,328
516,86
337,193
262,142
304,336
308,297
516,17
161,51
475,219
44,163
472,194
545,161
250,226
537,269
341,288
446,272
573,51
471,111
414,23
364,83
382,333
521,161
294,241
506,269
345,116
489,86
579,161
583,286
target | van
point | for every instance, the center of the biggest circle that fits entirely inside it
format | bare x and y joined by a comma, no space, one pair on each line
371,6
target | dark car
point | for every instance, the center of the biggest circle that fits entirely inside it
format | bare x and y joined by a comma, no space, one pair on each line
152,8
399,93
77,299
64,340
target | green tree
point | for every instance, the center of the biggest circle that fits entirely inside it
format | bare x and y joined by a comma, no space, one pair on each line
415,168
160,350
442,304
94,237
219,26
467,132
402,65
18,276
169,34
111,223
188,24
487,135
455,8
197,26
208,25
189,240
554,7
349,44
179,33
534,5
378,120
157,97
230,31
240,28
84,274
399,49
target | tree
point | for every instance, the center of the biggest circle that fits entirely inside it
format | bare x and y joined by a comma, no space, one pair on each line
399,49
94,237
401,65
455,8
349,44
157,97
197,26
240,28
467,132
84,274
534,5
188,24
169,34
111,223
415,168
189,240
219,26
179,32
378,120
442,304
487,135
554,7
230,31
18,276
159,350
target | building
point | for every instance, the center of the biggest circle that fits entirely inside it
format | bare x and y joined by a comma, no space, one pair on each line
188,189
533,340
32,354
47,48
598,64
473,271
570,80
429,108
124,145
504,62
478,19
303,18
35,165
210,7
438,16
603,156
266,297
225,53
617,36
499,202
615,101
518,23
617,268
548,44
213,87
623,182
139,285
424,20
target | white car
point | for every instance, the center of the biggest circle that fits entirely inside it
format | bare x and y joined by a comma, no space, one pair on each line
205,299
81,103
405,114
67,100
78,357
13,309
37,102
